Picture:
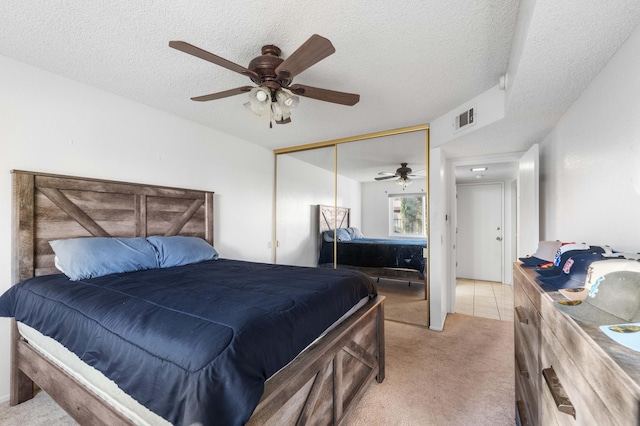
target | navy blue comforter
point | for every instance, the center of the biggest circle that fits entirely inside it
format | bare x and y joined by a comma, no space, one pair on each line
377,253
193,343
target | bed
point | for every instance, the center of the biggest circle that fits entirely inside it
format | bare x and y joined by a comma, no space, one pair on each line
322,384
377,257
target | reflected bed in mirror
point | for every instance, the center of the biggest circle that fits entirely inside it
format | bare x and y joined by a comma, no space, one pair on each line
398,259
343,172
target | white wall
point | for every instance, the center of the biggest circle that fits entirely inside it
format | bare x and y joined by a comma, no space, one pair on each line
510,226
439,242
528,202
590,162
52,124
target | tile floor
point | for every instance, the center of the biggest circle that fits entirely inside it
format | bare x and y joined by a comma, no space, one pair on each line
484,299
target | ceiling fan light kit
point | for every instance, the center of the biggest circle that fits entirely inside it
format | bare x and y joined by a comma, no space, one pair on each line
261,102
404,182
274,94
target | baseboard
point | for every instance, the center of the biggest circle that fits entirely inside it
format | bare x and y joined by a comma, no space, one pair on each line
440,326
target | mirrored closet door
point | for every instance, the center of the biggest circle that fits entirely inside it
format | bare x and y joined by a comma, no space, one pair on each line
391,216
352,204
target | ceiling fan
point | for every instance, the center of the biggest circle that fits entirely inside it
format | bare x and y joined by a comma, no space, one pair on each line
275,94
402,173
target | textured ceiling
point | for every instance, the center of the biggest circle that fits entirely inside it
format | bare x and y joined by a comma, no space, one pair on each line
557,51
411,61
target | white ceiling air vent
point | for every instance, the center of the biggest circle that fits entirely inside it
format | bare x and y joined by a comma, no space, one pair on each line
464,120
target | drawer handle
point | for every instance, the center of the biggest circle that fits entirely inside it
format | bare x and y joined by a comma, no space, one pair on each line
522,413
557,391
519,363
522,317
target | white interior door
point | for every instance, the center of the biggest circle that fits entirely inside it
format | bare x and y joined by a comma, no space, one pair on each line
528,202
480,238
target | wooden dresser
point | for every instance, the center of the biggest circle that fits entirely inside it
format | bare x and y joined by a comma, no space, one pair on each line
567,372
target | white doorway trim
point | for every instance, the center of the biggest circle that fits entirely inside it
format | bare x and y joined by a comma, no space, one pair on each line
509,234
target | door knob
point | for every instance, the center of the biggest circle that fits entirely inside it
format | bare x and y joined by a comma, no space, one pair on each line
499,238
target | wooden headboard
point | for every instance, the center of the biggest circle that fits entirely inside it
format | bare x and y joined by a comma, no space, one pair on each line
330,217
47,207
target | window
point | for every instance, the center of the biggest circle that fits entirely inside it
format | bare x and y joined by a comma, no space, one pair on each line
407,215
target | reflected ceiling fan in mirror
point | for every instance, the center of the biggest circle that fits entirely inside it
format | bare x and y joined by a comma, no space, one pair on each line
403,175
275,95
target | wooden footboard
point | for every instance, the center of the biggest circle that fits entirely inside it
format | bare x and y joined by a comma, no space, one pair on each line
321,386
325,383
75,398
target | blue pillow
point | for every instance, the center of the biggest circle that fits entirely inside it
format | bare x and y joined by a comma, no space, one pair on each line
179,250
83,258
355,233
342,234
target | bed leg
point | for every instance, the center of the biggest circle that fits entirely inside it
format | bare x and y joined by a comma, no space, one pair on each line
21,384
21,388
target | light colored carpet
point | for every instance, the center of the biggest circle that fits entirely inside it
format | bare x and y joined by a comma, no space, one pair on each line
403,303
461,376
39,411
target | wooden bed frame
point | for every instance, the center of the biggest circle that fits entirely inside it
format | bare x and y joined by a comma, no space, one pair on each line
341,217
321,386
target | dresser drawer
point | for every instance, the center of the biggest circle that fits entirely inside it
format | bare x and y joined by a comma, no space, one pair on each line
522,410
527,322
529,286
548,410
564,378
527,327
598,371
581,376
526,396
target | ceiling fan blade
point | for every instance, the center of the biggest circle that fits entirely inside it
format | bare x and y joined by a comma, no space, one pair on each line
325,94
385,177
225,94
315,49
207,56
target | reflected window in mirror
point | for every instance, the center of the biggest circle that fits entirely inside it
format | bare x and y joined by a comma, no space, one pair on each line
407,215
